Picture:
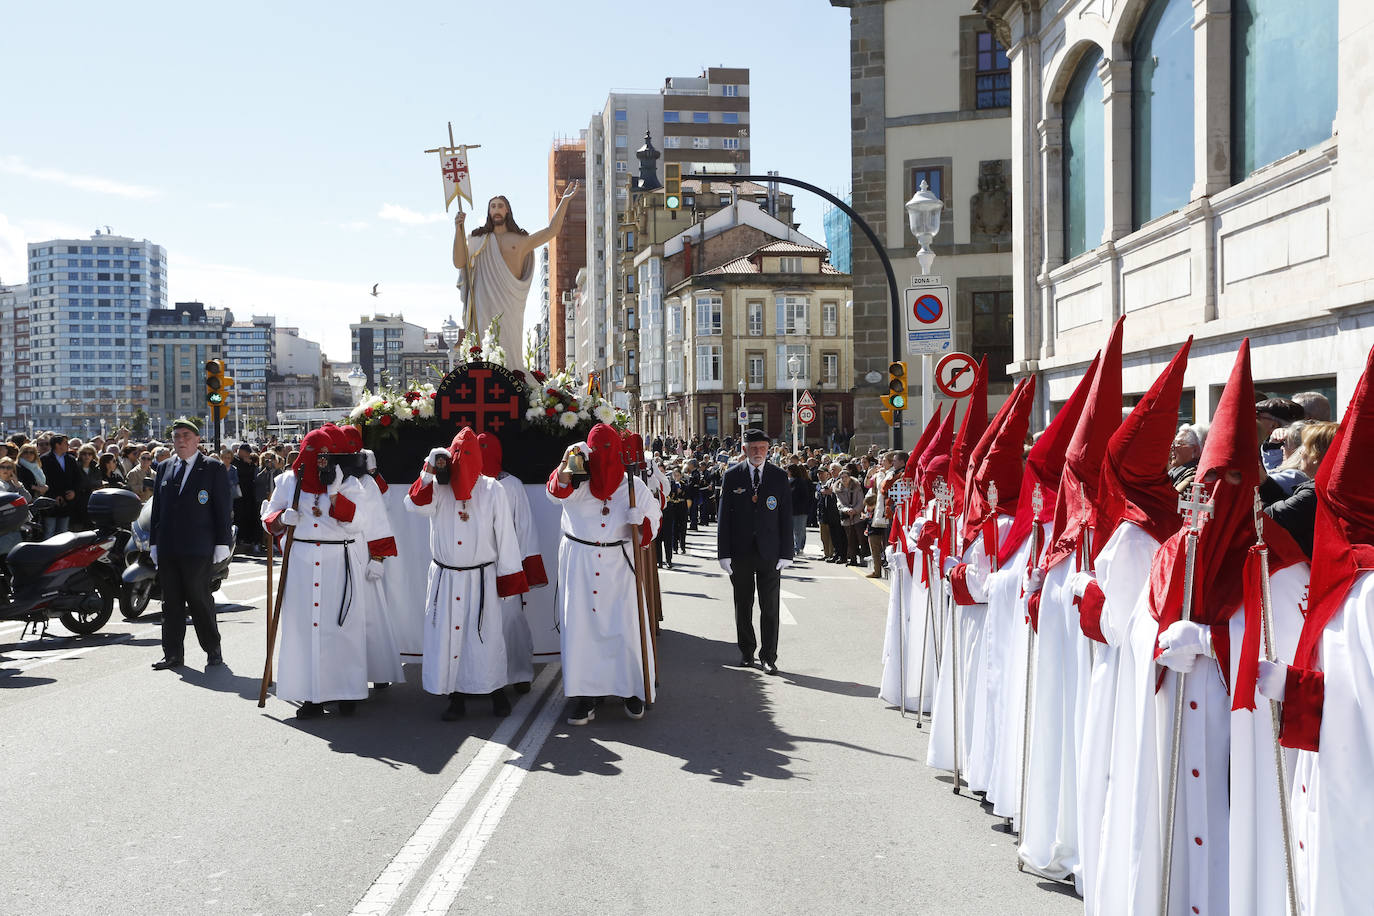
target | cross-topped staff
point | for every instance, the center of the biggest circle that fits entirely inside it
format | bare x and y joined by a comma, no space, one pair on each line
1037,506
1267,619
992,513
461,149
900,492
1086,563
1196,508
946,497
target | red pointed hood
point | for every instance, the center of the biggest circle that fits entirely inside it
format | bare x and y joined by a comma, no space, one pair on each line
919,449
1001,462
317,442
938,469
491,454
632,451
604,466
1343,541
353,438
465,462
1232,449
984,444
1076,505
938,448
1135,480
971,430
1045,464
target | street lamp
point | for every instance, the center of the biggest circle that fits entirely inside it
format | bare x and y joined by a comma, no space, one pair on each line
449,331
356,383
794,372
743,417
923,215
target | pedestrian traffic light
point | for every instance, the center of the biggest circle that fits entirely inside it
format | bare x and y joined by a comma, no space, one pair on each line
216,384
894,402
672,186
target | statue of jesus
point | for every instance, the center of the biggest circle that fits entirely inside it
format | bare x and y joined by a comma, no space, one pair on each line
497,265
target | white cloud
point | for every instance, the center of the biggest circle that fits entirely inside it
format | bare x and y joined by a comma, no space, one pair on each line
15,238
398,214
16,166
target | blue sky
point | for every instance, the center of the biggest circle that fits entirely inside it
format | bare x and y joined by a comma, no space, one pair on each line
275,149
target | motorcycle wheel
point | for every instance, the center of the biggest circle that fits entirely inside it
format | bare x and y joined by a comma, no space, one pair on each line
96,608
134,599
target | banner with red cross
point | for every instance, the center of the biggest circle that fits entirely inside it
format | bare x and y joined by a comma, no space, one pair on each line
453,163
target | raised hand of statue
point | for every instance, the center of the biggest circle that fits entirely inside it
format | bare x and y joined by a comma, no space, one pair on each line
459,219
570,191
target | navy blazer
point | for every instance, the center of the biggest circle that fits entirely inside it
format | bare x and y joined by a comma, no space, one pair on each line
745,527
190,523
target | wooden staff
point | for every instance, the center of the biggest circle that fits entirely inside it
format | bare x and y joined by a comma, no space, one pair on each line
639,595
1037,506
274,610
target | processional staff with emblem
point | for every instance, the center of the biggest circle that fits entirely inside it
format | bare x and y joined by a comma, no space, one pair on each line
453,168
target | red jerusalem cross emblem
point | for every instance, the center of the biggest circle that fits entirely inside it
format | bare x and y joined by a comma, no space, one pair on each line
455,170
485,397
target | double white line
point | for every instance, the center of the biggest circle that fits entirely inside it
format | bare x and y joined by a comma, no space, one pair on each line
447,879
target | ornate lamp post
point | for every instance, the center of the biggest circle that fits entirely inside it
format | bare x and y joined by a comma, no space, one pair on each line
356,383
923,216
794,372
449,331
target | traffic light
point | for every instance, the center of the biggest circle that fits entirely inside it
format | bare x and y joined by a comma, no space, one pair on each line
216,383
672,186
894,402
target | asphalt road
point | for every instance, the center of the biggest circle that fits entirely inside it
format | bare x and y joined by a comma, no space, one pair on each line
124,790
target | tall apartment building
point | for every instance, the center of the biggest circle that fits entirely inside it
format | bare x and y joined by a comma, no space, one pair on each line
703,122
296,377
88,313
180,340
378,342
16,384
567,252
248,356
922,113
1182,172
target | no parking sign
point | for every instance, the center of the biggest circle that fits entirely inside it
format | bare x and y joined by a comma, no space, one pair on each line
928,321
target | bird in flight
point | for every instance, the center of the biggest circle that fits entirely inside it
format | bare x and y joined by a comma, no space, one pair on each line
374,289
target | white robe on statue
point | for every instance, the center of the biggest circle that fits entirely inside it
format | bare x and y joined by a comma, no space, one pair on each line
1004,666
514,625
1258,870
492,291
1333,810
464,641
383,651
598,614
1123,573
322,659
906,608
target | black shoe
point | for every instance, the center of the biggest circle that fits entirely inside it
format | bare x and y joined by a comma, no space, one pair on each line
634,707
309,711
583,711
381,685
166,663
455,710
770,667
746,661
500,705
214,658
348,707
522,687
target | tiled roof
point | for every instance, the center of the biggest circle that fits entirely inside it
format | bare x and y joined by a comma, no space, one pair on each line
782,247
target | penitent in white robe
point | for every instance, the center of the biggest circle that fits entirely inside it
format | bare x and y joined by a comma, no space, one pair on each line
383,652
1004,667
1123,573
514,625
599,621
464,640
906,613
982,704
1333,809
322,658
1258,871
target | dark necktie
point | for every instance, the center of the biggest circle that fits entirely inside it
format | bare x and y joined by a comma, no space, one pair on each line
180,475
756,478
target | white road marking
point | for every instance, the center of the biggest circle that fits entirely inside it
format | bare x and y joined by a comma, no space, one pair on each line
392,882
443,887
784,613
38,661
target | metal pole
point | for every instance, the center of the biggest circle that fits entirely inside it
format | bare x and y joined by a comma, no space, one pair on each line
894,298
794,413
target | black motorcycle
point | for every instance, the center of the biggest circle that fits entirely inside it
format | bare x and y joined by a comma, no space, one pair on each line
140,583
69,576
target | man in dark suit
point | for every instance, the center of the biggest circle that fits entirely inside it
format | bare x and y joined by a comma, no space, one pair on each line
754,545
191,531
63,473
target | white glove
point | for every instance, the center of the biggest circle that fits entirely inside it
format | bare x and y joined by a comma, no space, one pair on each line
783,564
1182,643
1032,580
433,454
370,460
426,479
332,489
1080,581
950,563
221,553
725,565
636,516
373,571
152,552
891,555
1272,680
290,518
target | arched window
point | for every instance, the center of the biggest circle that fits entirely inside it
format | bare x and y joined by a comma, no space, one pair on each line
1162,110
1084,159
1283,79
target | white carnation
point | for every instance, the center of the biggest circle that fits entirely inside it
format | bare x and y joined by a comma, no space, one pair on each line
567,420
558,407
534,413
604,414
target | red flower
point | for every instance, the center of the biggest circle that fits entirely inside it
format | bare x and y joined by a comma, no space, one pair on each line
549,411
552,392
475,350
414,411
433,395
572,405
386,419
539,376
367,411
